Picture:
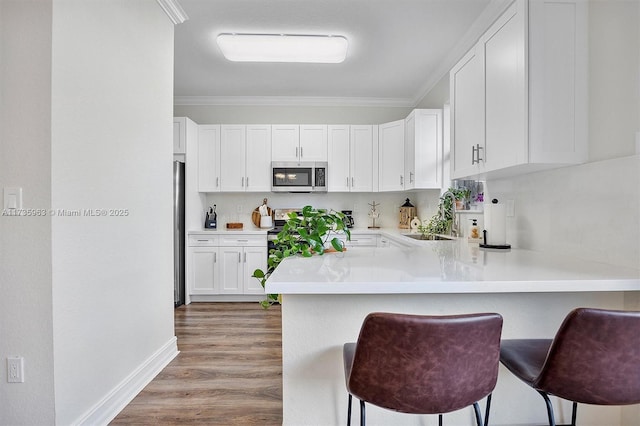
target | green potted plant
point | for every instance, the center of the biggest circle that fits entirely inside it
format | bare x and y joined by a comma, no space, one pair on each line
311,233
463,196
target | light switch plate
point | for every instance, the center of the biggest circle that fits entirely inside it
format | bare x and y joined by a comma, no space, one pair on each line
12,198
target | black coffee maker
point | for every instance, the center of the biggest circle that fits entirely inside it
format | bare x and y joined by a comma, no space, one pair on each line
348,218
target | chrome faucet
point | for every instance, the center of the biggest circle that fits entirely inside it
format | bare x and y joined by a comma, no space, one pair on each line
454,225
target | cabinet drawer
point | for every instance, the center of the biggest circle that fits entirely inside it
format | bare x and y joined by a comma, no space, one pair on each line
203,240
362,241
243,240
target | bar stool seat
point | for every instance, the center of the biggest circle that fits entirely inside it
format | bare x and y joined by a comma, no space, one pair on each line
423,364
593,359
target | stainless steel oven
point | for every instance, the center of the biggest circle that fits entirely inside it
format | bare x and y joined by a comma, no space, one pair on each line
299,177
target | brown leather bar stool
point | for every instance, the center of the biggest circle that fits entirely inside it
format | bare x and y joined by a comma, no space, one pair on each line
593,359
424,364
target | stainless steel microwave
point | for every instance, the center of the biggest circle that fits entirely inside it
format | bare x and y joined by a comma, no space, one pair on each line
299,177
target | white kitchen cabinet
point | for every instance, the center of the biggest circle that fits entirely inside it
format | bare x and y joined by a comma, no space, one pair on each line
313,142
298,143
423,149
258,158
209,158
242,156
179,135
203,271
518,98
351,158
232,158
391,156
223,264
240,256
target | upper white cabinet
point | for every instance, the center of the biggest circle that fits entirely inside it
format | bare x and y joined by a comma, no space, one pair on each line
258,158
234,158
299,143
209,158
423,149
179,135
391,156
351,151
518,98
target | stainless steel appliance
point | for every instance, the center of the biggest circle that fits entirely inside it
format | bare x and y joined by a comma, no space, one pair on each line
280,217
178,233
299,177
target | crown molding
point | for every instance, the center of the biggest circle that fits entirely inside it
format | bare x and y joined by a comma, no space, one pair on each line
489,15
173,10
292,101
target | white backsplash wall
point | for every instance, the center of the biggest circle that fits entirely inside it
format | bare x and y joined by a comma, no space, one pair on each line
590,211
237,207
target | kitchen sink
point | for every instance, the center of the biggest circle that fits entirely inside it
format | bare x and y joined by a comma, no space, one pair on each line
428,237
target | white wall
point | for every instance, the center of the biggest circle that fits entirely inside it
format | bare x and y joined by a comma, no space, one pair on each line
87,301
268,114
25,242
112,148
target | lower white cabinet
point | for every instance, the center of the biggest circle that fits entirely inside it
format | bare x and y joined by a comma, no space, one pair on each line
223,264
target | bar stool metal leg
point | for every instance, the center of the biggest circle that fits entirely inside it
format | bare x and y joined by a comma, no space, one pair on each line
362,420
552,421
476,409
349,410
486,410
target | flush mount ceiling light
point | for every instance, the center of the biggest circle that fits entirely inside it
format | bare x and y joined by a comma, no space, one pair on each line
283,48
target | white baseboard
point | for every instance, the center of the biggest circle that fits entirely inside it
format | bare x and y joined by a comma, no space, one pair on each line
109,407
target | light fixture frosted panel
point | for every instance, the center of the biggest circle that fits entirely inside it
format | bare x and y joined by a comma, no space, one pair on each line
283,48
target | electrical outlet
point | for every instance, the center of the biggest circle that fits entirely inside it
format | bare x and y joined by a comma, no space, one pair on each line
15,369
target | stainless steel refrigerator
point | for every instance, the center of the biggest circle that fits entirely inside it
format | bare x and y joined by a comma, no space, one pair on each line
178,234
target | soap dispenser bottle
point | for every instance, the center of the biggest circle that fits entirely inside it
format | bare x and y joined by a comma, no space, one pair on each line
474,233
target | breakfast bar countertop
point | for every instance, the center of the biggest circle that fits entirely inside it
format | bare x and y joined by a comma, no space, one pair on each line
446,267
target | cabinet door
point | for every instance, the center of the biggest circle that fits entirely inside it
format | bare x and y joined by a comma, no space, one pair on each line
285,142
231,270
179,135
361,158
505,91
427,148
258,158
209,158
313,143
410,151
253,258
232,158
391,157
204,270
339,177
467,114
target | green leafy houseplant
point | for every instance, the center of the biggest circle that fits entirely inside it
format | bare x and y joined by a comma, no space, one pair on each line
441,222
305,236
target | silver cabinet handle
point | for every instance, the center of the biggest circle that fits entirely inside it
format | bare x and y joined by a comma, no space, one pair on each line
475,154
352,181
296,152
410,177
245,257
203,241
247,181
242,241
401,180
301,155
242,184
238,257
217,182
215,257
478,151
347,181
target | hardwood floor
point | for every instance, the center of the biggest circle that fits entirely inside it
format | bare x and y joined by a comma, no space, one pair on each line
228,372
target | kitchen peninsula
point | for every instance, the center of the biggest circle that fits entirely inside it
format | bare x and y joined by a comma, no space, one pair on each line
325,299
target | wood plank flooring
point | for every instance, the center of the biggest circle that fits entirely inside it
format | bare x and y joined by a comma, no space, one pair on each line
228,372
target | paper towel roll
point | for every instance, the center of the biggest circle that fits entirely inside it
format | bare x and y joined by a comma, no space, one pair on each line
495,223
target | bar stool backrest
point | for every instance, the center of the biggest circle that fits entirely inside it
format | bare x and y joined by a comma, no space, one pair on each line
594,358
426,364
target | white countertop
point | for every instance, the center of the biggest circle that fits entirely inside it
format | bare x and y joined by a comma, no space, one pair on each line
445,267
